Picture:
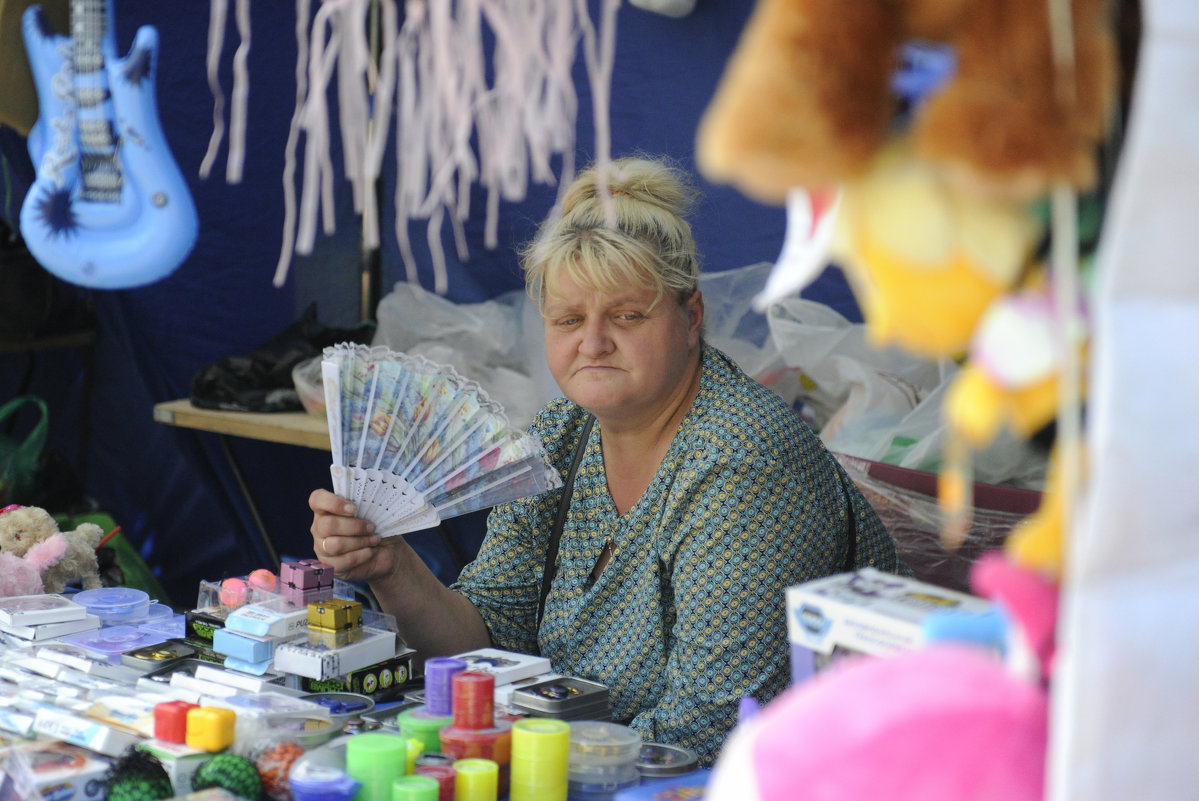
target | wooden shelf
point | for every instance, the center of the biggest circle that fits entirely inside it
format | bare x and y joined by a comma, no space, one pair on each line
289,428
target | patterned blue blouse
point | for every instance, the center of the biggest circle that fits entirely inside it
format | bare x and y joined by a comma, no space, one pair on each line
688,617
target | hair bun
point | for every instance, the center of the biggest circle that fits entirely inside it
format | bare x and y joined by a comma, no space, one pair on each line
635,179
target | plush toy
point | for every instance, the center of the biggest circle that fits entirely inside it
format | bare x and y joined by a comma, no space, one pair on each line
807,98
925,258
22,574
946,723
22,527
1038,542
949,722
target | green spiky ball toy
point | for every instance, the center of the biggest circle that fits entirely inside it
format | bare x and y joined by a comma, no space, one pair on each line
138,776
232,772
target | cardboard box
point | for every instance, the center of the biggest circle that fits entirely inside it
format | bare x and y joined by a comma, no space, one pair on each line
333,638
318,662
382,681
245,647
79,730
57,771
866,611
32,610
274,619
506,666
202,624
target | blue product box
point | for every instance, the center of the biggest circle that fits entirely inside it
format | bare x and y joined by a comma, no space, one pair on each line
243,647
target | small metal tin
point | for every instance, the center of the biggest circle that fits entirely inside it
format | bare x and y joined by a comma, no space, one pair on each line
564,697
388,718
360,725
153,657
659,759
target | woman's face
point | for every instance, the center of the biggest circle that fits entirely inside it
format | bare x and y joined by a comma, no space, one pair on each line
614,355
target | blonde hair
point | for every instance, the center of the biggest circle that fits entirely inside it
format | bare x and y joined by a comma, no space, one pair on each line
651,246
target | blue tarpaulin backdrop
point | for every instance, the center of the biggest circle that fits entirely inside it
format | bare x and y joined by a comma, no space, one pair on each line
170,488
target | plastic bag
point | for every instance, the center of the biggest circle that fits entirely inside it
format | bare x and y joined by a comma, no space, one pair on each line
19,458
883,404
306,376
261,380
496,343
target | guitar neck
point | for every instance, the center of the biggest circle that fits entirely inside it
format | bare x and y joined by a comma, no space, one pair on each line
100,166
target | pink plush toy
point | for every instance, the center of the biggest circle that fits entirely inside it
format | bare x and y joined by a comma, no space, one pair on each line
949,722
22,575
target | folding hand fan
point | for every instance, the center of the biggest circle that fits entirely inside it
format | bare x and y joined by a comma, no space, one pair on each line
414,442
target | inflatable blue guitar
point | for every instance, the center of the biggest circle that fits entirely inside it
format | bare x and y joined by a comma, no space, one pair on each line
109,208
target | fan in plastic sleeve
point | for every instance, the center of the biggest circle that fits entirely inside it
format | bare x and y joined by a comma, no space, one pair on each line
414,442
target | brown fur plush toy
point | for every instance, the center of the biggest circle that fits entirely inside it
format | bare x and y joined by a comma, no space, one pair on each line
806,98
23,527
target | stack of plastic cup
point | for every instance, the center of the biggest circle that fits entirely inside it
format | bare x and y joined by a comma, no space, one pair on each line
414,788
476,780
376,760
603,760
439,683
426,721
418,724
443,775
475,733
540,758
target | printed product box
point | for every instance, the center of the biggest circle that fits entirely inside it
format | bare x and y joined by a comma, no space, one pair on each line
382,681
867,611
57,771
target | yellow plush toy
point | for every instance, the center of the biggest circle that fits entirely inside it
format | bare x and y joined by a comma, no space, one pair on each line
925,258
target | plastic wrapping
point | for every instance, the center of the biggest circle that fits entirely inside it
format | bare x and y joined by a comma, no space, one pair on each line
906,502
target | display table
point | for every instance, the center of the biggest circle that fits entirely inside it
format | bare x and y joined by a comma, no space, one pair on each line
288,428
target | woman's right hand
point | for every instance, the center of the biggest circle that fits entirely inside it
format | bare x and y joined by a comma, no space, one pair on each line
349,544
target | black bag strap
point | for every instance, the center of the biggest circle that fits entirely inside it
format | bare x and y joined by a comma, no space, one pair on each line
851,561
551,548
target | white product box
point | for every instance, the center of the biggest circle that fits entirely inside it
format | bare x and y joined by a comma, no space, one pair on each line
16,717
76,659
276,620
78,730
126,711
40,632
868,611
203,687
29,610
255,683
319,662
506,666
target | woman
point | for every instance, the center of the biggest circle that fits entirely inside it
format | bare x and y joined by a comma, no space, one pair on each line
699,495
